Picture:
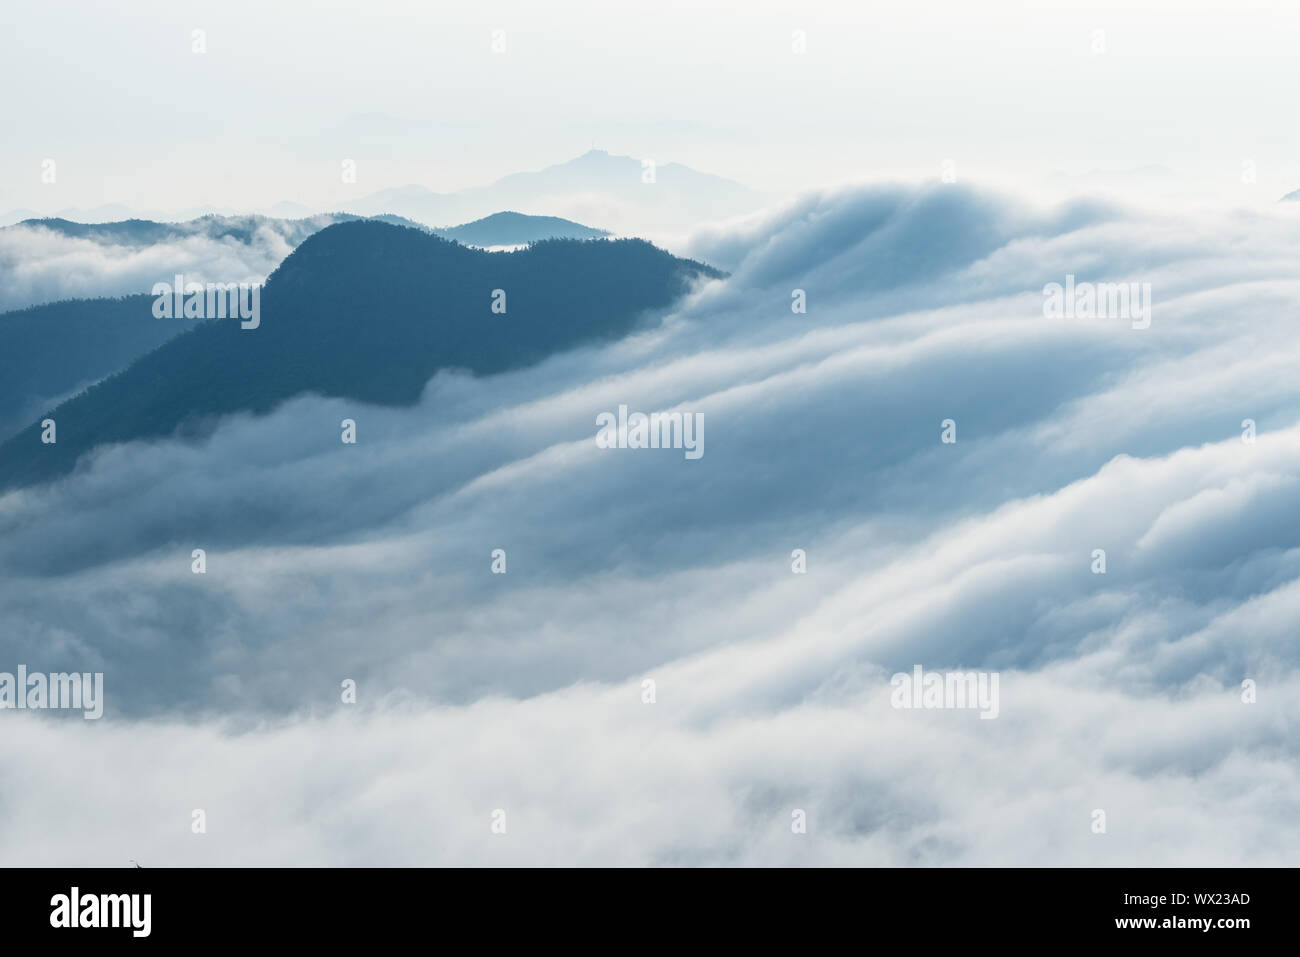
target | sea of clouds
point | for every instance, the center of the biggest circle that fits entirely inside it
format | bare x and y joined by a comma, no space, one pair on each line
42,264
524,691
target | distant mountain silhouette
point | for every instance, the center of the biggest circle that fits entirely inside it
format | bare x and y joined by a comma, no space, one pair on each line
105,213
369,311
1291,197
117,212
517,229
499,229
596,186
16,216
147,232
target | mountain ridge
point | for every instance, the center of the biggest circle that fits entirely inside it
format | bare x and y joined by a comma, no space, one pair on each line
318,332
503,228
595,185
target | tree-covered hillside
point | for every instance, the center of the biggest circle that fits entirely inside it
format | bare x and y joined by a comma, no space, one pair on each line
368,311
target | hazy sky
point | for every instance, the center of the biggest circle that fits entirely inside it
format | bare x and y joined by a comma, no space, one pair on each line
412,91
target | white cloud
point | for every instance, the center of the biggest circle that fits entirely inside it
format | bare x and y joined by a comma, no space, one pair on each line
39,264
1120,691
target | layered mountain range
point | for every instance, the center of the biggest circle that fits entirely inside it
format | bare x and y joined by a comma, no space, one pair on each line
362,309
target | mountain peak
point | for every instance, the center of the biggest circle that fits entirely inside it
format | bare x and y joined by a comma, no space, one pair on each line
368,311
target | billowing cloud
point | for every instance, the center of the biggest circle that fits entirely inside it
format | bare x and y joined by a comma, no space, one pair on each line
524,691
43,264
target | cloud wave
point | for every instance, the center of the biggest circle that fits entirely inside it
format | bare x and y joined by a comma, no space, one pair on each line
523,691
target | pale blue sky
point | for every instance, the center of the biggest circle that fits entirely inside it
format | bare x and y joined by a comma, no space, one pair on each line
1012,92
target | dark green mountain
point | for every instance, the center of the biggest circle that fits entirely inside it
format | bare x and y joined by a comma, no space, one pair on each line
518,229
368,311
50,351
